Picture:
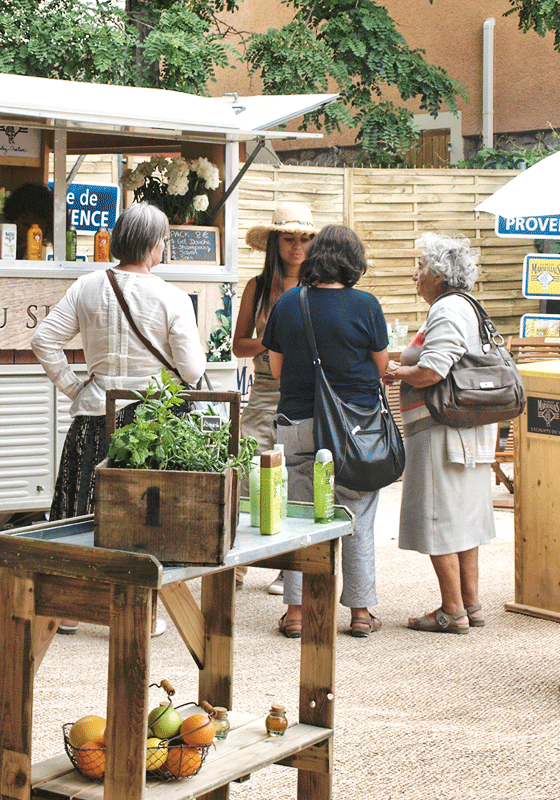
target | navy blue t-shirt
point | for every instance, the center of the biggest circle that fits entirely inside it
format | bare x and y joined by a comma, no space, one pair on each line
348,325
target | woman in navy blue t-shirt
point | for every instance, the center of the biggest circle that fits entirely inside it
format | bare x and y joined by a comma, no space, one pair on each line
351,335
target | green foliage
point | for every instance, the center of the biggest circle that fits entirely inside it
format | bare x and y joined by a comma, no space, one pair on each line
169,44
65,39
158,439
356,45
349,46
508,156
538,15
187,49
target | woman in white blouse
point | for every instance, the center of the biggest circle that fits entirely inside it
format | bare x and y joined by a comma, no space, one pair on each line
115,357
447,509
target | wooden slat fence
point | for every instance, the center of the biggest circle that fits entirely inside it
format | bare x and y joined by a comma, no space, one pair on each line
389,209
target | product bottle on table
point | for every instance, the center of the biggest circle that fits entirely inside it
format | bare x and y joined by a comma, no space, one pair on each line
280,448
71,244
276,722
271,492
102,245
323,486
255,491
34,243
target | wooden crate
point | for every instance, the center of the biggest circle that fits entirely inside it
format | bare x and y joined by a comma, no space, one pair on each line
183,518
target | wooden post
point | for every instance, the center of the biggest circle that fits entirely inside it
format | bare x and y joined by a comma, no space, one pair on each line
317,670
17,622
127,695
215,681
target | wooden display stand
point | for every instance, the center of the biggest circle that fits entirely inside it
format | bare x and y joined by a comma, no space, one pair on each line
537,489
51,570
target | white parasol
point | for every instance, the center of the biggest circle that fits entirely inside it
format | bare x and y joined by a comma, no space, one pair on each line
535,192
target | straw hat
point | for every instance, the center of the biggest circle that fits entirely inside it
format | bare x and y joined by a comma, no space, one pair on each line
288,217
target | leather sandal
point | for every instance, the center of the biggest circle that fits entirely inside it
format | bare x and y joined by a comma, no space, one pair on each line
291,630
443,623
475,622
361,628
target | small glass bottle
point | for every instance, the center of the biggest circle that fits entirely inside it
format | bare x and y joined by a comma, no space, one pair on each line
221,722
276,722
34,243
102,245
71,244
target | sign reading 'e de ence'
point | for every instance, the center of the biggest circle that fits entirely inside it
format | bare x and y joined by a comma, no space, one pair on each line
92,206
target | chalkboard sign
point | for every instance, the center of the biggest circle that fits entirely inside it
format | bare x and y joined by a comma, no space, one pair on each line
192,244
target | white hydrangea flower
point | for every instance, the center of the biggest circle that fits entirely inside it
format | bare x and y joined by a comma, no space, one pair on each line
132,179
145,168
200,202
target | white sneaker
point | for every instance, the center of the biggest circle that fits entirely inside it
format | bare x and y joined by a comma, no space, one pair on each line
277,586
160,628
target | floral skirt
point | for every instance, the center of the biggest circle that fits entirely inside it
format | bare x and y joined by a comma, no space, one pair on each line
84,448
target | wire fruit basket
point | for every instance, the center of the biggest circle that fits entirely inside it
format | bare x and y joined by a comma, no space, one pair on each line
169,759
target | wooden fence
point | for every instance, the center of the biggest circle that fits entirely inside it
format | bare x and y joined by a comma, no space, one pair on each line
389,209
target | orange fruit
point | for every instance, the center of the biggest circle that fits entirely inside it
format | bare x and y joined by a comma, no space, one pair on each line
90,759
197,730
90,728
183,761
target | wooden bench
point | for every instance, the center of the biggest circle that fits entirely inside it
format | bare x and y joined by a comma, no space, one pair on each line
247,749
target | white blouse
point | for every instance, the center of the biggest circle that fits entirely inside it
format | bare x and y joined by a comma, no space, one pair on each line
115,357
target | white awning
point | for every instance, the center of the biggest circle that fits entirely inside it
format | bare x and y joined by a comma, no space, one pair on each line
131,111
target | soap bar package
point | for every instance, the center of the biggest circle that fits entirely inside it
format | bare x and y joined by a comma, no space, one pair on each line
8,240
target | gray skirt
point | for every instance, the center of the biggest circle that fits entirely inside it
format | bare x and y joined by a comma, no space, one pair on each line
446,507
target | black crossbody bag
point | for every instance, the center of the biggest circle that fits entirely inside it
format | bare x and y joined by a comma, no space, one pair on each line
367,446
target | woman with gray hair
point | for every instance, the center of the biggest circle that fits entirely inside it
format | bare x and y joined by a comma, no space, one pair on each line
114,355
446,509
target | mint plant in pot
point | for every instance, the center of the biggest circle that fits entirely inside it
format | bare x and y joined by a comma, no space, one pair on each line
169,485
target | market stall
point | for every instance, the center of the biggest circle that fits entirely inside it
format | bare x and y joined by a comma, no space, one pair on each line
39,117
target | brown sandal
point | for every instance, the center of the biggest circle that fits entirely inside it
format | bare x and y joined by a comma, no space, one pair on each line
361,628
291,630
443,623
475,622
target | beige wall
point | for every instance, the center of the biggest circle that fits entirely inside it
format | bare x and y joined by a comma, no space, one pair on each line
526,67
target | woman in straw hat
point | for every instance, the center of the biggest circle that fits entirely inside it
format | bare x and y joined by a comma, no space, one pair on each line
285,241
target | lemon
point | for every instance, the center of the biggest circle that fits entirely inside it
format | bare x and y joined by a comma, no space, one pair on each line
156,754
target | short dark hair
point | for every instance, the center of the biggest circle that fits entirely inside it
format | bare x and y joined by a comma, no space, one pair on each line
139,228
335,255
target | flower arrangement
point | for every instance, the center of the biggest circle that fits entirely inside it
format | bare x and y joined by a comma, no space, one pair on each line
180,188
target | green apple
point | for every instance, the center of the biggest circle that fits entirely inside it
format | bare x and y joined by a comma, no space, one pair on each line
164,722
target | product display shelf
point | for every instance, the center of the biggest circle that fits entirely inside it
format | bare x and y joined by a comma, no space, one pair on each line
247,749
50,570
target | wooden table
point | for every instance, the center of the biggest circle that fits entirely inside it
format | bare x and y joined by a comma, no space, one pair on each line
52,571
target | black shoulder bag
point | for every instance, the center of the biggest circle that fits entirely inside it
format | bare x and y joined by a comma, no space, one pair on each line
367,447
479,389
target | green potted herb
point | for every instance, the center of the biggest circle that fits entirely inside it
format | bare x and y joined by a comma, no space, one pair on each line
169,485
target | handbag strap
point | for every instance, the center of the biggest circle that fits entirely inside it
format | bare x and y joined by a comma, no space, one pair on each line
308,326
126,310
488,332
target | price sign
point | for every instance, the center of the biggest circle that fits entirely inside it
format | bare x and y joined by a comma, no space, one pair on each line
190,244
